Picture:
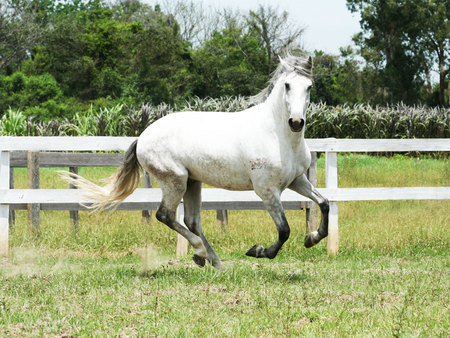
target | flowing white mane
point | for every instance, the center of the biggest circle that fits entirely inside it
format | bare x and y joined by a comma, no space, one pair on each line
301,65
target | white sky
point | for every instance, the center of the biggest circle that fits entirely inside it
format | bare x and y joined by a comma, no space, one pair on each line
328,23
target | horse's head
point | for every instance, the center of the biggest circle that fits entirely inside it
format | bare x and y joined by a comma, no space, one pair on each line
297,87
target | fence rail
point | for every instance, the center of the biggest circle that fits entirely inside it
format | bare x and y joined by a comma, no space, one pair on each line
65,199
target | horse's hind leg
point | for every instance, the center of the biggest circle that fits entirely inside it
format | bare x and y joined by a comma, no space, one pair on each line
192,219
305,188
173,190
273,205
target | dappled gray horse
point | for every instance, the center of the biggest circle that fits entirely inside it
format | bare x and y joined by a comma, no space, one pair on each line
261,148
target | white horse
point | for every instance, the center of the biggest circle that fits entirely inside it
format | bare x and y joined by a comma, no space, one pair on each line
261,148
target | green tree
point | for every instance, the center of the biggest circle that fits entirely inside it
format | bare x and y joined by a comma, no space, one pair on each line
231,63
20,29
337,79
402,40
97,50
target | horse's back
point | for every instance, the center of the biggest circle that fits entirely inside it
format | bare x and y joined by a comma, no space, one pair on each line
207,144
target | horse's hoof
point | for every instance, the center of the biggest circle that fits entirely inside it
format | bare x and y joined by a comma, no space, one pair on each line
255,251
309,240
200,261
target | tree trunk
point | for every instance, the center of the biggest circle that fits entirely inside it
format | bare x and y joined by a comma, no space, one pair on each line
441,75
428,87
448,94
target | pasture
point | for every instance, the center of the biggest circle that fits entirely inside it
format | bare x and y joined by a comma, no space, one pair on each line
119,276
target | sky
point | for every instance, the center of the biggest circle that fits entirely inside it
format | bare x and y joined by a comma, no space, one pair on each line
328,23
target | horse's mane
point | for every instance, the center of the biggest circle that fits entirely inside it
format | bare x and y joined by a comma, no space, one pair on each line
301,65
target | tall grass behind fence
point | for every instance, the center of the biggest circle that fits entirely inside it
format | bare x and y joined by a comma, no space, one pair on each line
358,121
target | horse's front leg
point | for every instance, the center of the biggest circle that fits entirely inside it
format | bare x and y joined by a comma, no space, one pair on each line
272,203
304,187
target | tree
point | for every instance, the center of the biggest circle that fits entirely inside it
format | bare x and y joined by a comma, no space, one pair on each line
96,50
275,31
428,36
230,63
20,29
404,39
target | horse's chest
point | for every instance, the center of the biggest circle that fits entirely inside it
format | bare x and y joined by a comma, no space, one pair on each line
279,173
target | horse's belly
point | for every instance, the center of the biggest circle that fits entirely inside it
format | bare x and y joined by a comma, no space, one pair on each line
221,176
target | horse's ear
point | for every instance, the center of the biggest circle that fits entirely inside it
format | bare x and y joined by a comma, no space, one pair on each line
285,65
309,63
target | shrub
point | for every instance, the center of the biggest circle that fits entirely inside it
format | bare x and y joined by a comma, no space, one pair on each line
359,121
13,123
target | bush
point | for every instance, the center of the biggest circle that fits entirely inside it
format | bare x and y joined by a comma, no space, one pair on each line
363,121
13,123
21,92
359,121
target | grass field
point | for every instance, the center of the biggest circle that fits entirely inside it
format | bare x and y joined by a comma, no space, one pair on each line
119,277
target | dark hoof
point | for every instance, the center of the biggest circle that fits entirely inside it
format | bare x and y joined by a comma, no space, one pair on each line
255,251
312,239
309,242
200,261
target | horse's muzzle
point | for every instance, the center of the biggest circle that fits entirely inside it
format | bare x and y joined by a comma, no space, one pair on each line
296,125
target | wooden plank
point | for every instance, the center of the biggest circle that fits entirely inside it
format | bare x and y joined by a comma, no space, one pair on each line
4,209
65,143
110,143
331,172
182,243
74,219
390,194
34,217
63,159
222,219
12,214
214,198
331,182
333,230
66,199
378,145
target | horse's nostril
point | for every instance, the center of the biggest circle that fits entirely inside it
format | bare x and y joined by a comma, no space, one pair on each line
296,125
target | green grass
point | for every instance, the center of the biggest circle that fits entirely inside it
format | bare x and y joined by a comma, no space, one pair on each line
119,276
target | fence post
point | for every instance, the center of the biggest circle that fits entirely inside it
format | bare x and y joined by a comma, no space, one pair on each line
182,243
331,182
34,217
4,209
12,214
147,183
74,219
222,219
312,221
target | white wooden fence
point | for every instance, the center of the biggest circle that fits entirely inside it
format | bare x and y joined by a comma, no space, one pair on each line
68,199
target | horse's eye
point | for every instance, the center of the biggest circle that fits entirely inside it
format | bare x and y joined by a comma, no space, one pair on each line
309,88
287,86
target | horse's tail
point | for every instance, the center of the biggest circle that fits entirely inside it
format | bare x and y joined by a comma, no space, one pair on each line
118,187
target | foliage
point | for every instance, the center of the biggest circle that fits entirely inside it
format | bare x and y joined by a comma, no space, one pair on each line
13,123
403,39
21,91
358,121
57,58
232,62
363,121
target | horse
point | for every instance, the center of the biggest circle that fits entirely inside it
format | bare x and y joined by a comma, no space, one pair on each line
261,148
